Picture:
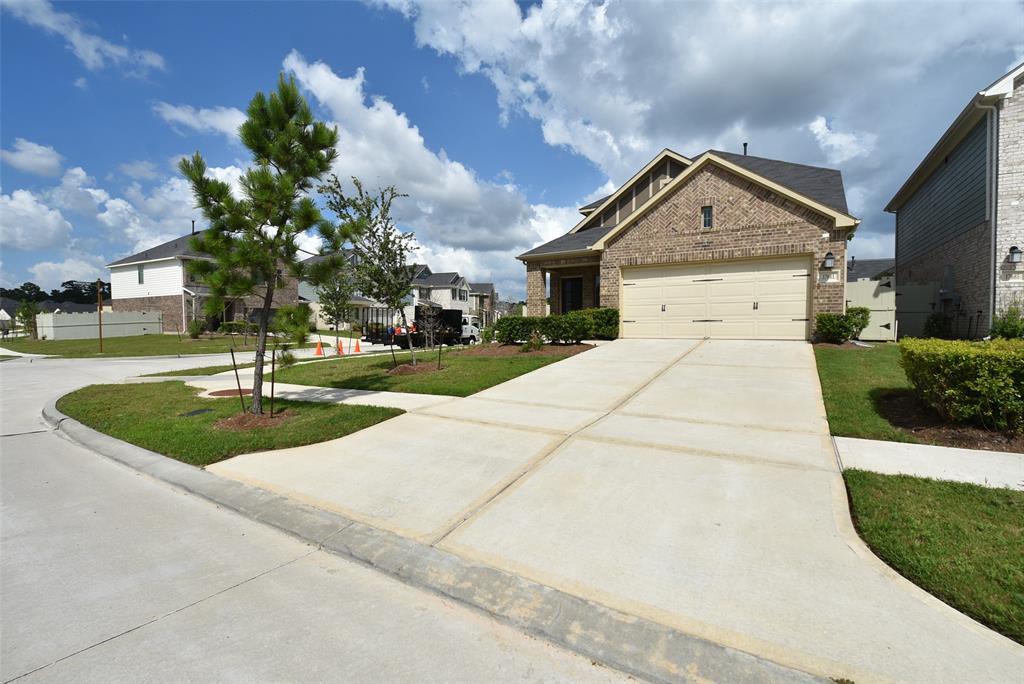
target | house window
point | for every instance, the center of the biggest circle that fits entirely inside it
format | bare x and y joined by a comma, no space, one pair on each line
706,218
141,269
455,293
463,295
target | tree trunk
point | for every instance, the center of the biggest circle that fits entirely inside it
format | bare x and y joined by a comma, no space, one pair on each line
408,336
256,408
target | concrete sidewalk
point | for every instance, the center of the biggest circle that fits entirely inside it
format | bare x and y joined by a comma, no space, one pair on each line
692,484
985,468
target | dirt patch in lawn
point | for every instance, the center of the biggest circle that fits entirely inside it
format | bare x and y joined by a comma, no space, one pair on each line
247,421
844,345
419,369
513,350
908,413
230,393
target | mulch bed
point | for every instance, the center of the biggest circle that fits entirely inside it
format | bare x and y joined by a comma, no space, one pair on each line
422,366
513,349
247,421
909,414
231,392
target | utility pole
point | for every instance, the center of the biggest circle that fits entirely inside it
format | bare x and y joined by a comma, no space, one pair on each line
99,309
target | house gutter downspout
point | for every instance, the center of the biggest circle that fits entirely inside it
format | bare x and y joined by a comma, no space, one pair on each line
991,195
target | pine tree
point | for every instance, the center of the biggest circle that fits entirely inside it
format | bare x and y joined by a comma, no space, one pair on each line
253,239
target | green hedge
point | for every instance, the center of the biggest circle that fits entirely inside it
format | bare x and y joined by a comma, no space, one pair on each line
976,382
838,328
571,328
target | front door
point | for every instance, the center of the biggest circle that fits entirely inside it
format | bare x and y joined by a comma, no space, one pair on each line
572,294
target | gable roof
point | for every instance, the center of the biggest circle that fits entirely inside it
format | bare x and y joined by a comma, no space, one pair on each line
818,183
964,123
868,268
178,247
570,242
482,288
437,279
598,206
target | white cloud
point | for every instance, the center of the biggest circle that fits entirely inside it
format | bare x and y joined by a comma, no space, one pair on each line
94,52
31,157
77,193
840,147
81,83
26,223
139,170
50,274
223,120
871,246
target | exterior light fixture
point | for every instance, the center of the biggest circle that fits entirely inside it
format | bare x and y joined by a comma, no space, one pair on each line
830,261
1015,254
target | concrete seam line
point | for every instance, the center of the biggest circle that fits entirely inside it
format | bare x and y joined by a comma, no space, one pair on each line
626,642
835,451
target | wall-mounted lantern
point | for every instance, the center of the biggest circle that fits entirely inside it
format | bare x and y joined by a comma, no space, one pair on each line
1015,254
830,261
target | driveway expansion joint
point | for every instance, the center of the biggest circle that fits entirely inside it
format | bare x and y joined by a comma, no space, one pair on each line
626,642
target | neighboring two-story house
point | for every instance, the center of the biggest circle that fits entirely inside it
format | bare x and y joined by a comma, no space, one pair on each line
156,279
719,246
960,217
482,299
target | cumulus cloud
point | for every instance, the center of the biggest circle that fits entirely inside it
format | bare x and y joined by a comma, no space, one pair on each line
223,120
81,83
50,274
77,193
838,146
31,157
94,52
27,223
139,170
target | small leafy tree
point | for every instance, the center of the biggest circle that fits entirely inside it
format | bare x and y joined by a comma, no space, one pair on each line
25,315
381,250
336,296
253,239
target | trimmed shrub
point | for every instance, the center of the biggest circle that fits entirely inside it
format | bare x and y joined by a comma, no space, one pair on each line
604,323
553,328
976,382
196,328
1009,324
534,343
487,335
858,317
833,327
577,326
513,329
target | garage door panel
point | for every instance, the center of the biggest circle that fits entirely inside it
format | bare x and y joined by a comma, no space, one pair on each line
717,300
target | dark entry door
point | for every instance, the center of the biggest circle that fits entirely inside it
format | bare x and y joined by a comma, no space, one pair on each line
572,294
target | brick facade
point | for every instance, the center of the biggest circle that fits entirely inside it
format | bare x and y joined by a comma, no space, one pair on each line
960,270
749,222
586,274
1009,282
169,306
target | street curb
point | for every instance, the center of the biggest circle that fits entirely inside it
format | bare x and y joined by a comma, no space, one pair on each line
619,640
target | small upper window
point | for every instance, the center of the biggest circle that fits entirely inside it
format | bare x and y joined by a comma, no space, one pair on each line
141,270
707,220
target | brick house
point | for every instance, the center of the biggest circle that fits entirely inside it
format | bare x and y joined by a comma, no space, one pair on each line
482,297
722,245
156,280
960,217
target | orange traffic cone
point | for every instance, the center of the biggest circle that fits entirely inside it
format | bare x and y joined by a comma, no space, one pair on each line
319,349
341,349
358,350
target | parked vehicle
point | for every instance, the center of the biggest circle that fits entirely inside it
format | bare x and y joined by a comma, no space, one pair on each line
470,329
438,326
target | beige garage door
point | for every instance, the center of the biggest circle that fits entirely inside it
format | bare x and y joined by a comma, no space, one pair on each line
761,299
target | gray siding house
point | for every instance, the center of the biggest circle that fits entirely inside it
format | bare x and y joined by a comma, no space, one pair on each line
960,217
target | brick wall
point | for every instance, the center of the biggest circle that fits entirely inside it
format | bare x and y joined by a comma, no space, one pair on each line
961,267
585,273
169,306
749,222
1010,202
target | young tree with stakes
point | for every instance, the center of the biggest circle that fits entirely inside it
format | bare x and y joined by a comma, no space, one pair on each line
381,250
336,295
253,239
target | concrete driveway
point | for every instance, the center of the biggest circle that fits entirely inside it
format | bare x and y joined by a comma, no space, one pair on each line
691,483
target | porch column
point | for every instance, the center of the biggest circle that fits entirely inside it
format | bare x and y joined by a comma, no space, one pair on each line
536,292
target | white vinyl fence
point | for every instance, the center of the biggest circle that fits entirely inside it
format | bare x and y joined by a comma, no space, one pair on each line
85,326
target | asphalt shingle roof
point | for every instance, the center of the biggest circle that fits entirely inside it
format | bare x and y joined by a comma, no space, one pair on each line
437,279
486,288
177,247
815,182
868,268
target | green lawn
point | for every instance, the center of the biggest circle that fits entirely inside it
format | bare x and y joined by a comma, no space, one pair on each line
4,357
201,370
464,373
960,542
137,345
150,415
851,381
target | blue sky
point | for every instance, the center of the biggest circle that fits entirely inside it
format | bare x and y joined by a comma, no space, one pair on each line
498,119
